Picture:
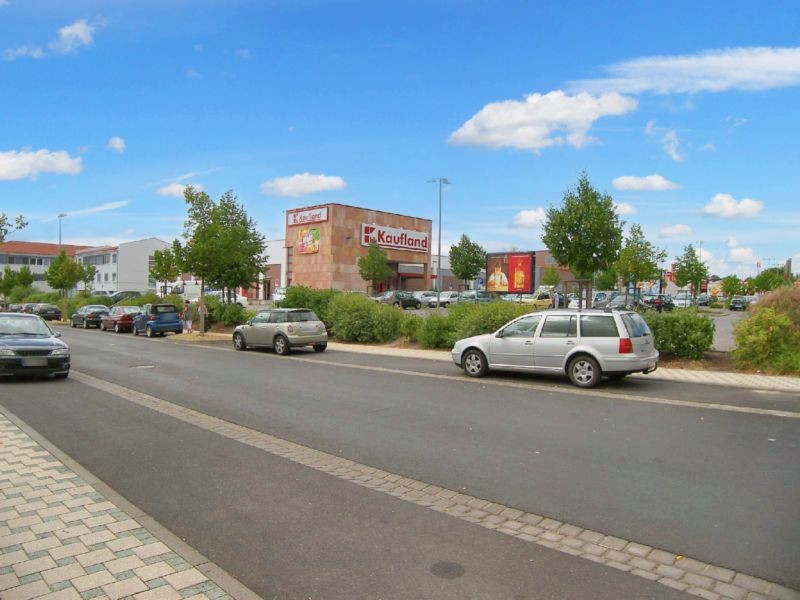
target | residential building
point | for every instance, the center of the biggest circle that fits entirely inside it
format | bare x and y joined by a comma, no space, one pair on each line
122,268
37,256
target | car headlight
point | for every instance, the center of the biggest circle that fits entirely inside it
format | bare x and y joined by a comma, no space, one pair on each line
7,352
60,352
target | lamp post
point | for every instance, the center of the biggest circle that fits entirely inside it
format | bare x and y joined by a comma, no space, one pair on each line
60,216
441,181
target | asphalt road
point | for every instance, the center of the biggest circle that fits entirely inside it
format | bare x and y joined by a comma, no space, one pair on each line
715,485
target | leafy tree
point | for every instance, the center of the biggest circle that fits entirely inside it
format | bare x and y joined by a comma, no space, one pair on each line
374,267
467,259
769,279
689,269
165,267
551,276
7,226
8,282
606,280
89,271
63,273
585,233
638,259
732,286
24,277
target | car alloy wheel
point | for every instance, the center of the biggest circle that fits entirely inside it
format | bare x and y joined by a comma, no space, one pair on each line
418,306
116,328
281,345
474,363
238,342
584,371
149,332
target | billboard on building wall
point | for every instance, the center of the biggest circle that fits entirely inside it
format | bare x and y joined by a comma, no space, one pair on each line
308,240
394,238
510,272
306,216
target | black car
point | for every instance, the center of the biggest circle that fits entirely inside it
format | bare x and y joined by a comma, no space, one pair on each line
120,296
657,302
89,316
29,347
703,300
739,303
401,299
49,312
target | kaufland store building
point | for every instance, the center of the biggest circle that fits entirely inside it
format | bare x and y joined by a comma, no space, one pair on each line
324,242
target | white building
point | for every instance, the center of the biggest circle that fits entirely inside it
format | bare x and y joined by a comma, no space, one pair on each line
122,268
34,255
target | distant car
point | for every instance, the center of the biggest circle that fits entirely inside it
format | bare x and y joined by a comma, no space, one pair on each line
739,303
475,297
279,294
157,319
88,316
29,347
120,296
446,299
400,299
49,312
102,294
282,329
120,319
599,299
536,301
657,302
14,308
425,297
235,298
583,345
703,300
682,300
28,307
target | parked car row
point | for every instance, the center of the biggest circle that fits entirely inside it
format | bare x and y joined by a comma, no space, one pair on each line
150,319
49,312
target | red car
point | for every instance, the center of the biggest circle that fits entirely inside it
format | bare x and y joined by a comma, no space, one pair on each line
119,319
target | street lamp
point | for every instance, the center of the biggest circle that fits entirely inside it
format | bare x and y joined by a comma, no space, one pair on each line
60,216
441,181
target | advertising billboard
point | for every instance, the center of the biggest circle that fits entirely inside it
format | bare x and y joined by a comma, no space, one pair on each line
394,238
308,240
510,272
307,215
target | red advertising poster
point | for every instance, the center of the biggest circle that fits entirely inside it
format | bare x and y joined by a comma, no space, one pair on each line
520,273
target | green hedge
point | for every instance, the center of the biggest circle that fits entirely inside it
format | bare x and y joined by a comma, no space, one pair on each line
355,318
466,320
225,313
298,296
683,333
768,339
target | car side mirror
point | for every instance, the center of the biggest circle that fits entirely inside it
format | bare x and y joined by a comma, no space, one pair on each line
499,333
57,334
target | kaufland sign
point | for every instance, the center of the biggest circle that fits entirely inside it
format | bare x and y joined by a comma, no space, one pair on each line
304,217
393,238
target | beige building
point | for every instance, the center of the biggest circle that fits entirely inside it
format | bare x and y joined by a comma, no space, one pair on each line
324,242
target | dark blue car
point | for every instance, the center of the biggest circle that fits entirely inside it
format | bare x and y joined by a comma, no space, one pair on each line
157,319
29,347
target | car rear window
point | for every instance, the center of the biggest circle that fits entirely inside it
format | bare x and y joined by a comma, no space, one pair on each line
300,316
130,310
635,325
560,326
164,309
598,326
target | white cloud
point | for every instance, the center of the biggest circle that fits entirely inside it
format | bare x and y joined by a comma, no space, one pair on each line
726,206
671,142
26,163
742,256
653,183
674,231
529,219
22,51
243,53
73,36
117,144
175,189
623,208
746,69
98,209
540,121
650,128
732,242
301,185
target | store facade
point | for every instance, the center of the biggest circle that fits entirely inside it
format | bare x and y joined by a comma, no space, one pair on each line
324,242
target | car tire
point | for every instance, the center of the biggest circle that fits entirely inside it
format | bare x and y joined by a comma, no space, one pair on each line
85,324
418,305
61,375
134,330
148,331
396,304
239,342
101,326
583,371
320,347
445,304
72,322
281,345
116,328
474,363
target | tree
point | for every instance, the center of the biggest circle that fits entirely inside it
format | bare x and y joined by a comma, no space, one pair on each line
638,259
7,226
165,267
732,286
87,277
690,270
8,282
551,276
374,267
606,280
585,233
24,277
63,273
466,259
769,279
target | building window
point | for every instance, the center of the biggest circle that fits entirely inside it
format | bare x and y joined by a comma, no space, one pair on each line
114,277
114,258
106,277
98,278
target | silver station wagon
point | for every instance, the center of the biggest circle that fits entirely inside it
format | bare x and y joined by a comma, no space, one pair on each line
585,345
282,329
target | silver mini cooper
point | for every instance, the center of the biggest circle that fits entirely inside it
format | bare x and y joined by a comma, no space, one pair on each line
282,329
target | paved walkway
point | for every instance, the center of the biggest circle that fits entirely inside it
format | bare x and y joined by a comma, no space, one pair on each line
62,539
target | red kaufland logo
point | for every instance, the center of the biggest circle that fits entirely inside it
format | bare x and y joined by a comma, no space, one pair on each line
393,238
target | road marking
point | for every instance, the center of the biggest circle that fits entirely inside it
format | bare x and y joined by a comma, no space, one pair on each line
571,390
671,569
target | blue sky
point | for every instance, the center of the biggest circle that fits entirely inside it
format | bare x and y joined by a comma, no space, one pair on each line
684,112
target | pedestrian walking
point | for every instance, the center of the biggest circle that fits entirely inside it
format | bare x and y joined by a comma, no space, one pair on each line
188,316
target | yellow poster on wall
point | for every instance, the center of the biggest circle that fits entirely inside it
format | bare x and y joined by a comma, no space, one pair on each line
308,240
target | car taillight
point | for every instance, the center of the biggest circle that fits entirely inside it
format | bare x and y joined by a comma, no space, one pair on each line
625,346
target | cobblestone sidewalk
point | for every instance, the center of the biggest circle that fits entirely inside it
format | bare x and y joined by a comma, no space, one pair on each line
61,539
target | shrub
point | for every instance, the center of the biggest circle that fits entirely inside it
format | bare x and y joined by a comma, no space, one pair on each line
716,305
19,293
298,296
768,339
233,314
683,333
410,326
355,318
486,318
437,332
148,298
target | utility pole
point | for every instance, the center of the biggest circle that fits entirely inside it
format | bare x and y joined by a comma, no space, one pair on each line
441,181
60,216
